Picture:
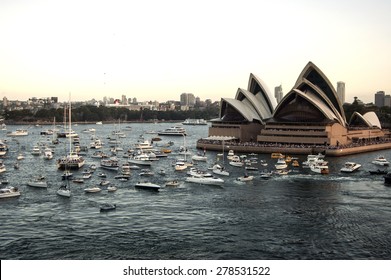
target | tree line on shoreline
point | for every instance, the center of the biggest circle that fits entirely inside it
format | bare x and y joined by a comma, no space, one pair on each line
89,113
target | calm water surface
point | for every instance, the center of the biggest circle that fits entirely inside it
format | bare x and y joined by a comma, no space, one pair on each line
298,216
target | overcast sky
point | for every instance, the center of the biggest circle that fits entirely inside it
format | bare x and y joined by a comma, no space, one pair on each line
156,50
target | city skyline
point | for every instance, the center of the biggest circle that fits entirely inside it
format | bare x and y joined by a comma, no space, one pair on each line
157,50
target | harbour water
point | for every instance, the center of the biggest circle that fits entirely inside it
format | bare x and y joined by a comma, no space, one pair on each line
301,215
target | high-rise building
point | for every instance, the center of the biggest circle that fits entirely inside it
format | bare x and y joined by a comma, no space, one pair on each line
387,100
278,94
124,100
187,99
341,92
379,98
184,99
5,101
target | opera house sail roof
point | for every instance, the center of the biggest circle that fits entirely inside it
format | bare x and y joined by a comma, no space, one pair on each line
312,99
251,105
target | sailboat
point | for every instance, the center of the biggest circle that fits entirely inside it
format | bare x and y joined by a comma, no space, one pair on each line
64,190
219,169
72,160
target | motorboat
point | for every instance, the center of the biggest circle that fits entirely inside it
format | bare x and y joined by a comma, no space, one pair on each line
141,159
78,180
266,175
35,151
205,180
104,182
39,182
173,131
230,154
378,172
172,183
387,178
48,153
2,167
107,207
111,188
380,160
236,161
199,157
110,164
99,154
92,189
145,145
9,192
20,156
276,155
198,173
96,144
350,167
245,178
281,164
180,165
146,172
321,168
147,185
295,163
219,170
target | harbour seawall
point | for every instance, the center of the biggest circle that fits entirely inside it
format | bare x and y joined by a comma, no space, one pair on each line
295,151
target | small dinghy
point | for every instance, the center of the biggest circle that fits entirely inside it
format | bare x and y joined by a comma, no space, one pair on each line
107,207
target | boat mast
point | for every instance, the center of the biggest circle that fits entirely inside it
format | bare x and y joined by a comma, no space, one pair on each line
70,125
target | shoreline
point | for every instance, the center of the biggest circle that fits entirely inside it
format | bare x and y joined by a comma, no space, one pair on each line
298,151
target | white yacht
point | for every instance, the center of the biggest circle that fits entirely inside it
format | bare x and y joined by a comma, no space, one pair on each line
36,151
350,167
205,180
173,131
380,160
281,163
110,163
39,182
219,170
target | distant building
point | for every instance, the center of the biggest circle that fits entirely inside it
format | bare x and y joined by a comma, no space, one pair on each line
379,98
124,101
278,94
341,91
5,102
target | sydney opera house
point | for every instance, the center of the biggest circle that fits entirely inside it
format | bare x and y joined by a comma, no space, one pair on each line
309,116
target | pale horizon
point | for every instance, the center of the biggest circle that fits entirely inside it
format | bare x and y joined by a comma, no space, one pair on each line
156,50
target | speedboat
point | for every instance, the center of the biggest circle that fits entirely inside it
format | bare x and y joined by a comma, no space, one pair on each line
350,167
147,185
245,178
205,180
321,168
380,160
9,192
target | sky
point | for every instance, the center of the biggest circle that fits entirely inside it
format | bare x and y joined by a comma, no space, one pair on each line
156,50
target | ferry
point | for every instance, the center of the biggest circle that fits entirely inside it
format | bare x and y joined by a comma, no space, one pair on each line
195,122
18,132
173,131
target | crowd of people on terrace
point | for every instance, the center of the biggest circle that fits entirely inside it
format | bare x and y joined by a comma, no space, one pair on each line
359,143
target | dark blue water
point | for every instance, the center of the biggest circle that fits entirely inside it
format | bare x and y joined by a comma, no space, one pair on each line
298,216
